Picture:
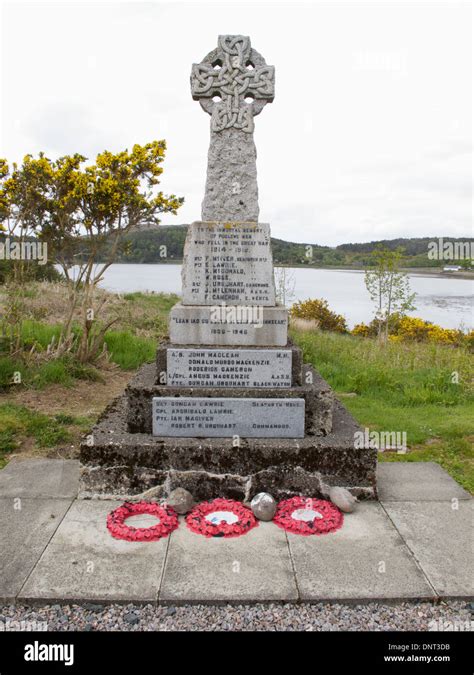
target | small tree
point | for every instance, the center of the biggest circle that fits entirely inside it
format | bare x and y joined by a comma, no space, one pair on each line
16,204
82,213
389,288
284,285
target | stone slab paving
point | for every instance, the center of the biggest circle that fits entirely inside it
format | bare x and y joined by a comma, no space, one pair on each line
416,481
255,567
26,527
365,560
55,548
84,562
440,535
54,478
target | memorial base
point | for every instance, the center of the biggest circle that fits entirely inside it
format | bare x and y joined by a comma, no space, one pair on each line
117,463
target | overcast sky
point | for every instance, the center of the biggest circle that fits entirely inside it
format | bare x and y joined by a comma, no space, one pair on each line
369,136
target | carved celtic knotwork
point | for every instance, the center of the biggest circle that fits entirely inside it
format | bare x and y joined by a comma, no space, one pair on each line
231,74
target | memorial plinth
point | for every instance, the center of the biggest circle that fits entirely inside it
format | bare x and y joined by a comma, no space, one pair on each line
122,464
228,409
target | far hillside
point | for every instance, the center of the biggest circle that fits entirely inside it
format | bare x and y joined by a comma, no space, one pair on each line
165,244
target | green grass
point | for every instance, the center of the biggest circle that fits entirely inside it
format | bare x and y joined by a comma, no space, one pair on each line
126,350
8,368
40,373
142,321
403,387
64,371
128,347
39,334
18,422
146,314
454,455
129,351
159,302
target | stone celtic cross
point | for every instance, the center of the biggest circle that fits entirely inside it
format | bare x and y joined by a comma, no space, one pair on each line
233,84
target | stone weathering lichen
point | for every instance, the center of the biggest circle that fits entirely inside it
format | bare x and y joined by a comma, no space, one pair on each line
239,78
232,83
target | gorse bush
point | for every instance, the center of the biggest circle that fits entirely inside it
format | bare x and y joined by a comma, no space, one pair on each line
318,310
77,210
413,329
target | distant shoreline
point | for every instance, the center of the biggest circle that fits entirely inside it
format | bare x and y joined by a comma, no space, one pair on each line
418,271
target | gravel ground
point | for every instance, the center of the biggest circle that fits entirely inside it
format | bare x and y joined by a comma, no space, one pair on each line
420,616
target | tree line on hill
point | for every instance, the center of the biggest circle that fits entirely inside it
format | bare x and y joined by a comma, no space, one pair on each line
166,242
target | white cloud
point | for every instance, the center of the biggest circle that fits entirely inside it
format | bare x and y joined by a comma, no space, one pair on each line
369,135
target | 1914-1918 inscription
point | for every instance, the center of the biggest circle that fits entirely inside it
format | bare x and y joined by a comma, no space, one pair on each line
229,367
194,417
228,262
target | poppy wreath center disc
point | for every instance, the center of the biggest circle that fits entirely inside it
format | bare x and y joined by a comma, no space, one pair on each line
221,518
304,515
168,521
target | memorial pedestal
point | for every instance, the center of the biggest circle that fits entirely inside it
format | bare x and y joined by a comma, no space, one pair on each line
125,458
228,409
120,464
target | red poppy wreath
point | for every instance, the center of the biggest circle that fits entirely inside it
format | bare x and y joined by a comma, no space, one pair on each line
304,515
168,521
221,518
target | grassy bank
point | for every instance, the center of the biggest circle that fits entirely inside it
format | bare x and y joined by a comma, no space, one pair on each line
47,404
35,430
140,321
403,387
397,387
